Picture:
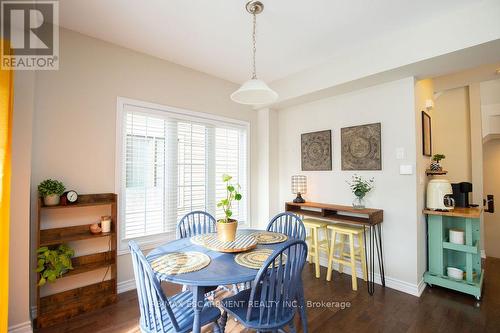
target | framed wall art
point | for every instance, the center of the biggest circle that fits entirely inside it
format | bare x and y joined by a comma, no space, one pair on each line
361,147
426,134
316,151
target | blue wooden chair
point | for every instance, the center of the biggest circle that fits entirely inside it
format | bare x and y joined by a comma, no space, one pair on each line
160,314
289,224
195,223
270,304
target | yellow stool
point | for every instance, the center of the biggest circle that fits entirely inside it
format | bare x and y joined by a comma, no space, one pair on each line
313,242
347,233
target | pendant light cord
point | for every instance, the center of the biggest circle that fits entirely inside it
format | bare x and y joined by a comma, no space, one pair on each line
254,41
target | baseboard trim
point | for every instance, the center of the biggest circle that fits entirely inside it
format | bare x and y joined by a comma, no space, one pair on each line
126,285
421,287
21,328
403,286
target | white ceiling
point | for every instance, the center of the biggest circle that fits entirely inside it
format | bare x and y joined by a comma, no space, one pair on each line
214,36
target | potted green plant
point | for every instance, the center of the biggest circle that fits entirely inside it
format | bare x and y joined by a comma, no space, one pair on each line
226,227
51,191
360,187
52,264
435,166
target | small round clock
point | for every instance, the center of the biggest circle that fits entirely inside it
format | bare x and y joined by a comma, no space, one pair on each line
71,196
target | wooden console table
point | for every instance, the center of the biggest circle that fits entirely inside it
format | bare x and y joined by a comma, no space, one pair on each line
371,220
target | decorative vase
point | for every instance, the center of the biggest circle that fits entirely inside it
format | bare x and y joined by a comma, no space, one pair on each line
226,231
358,202
51,200
435,166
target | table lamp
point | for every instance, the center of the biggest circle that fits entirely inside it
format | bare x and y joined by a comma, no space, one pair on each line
299,186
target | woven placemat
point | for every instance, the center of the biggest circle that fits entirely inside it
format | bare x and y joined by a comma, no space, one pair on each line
199,239
268,237
243,242
255,259
180,262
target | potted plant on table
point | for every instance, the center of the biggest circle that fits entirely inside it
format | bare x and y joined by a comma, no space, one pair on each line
51,191
360,187
435,166
226,227
52,264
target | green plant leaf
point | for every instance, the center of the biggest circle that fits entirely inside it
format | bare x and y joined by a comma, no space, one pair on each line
237,196
42,281
230,188
51,277
42,249
226,178
229,213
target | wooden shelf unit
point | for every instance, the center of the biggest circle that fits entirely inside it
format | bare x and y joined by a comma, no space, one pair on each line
429,172
337,213
57,308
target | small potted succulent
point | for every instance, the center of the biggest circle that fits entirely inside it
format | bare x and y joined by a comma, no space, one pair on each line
435,166
53,263
360,187
226,227
51,191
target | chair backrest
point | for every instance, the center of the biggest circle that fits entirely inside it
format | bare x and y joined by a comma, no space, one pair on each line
195,223
152,300
289,224
274,289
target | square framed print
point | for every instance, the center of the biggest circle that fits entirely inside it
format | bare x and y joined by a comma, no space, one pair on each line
316,151
362,147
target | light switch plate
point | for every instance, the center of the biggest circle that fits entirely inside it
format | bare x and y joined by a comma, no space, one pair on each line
400,153
406,169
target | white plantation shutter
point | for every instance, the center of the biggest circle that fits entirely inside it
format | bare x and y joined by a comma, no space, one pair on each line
173,164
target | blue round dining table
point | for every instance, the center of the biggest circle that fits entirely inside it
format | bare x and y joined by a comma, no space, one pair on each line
222,270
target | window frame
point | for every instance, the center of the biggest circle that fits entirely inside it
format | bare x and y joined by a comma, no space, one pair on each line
152,241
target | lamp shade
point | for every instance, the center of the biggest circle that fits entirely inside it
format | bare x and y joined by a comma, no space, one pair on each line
254,92
299,184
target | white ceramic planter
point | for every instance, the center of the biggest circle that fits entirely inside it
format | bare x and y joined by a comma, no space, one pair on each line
51,200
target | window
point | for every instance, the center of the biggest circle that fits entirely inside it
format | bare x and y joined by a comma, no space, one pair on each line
170,162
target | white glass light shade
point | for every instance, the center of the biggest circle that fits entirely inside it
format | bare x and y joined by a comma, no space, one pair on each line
299,184
254,92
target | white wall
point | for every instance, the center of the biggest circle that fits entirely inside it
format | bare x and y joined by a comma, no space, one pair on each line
424,90
19,253
392,104
451,133
74,123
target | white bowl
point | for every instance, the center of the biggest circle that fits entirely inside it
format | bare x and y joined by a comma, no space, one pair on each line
455,273
457,236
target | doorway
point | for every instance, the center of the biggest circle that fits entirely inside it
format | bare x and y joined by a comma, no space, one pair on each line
490,109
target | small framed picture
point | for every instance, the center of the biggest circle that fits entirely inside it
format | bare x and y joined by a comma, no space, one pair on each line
426,134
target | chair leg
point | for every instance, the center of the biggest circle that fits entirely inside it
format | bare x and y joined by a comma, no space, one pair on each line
353,263
341,253
216,327
362,256
223,321
316,252
330,257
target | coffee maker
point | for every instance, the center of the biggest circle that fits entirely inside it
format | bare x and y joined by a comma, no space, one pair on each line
439,195
461,194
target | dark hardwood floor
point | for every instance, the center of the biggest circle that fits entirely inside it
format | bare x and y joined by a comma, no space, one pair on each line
438,310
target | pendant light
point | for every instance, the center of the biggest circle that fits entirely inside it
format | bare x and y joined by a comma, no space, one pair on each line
254,91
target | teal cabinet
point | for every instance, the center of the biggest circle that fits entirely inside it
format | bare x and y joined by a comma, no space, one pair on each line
442,254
